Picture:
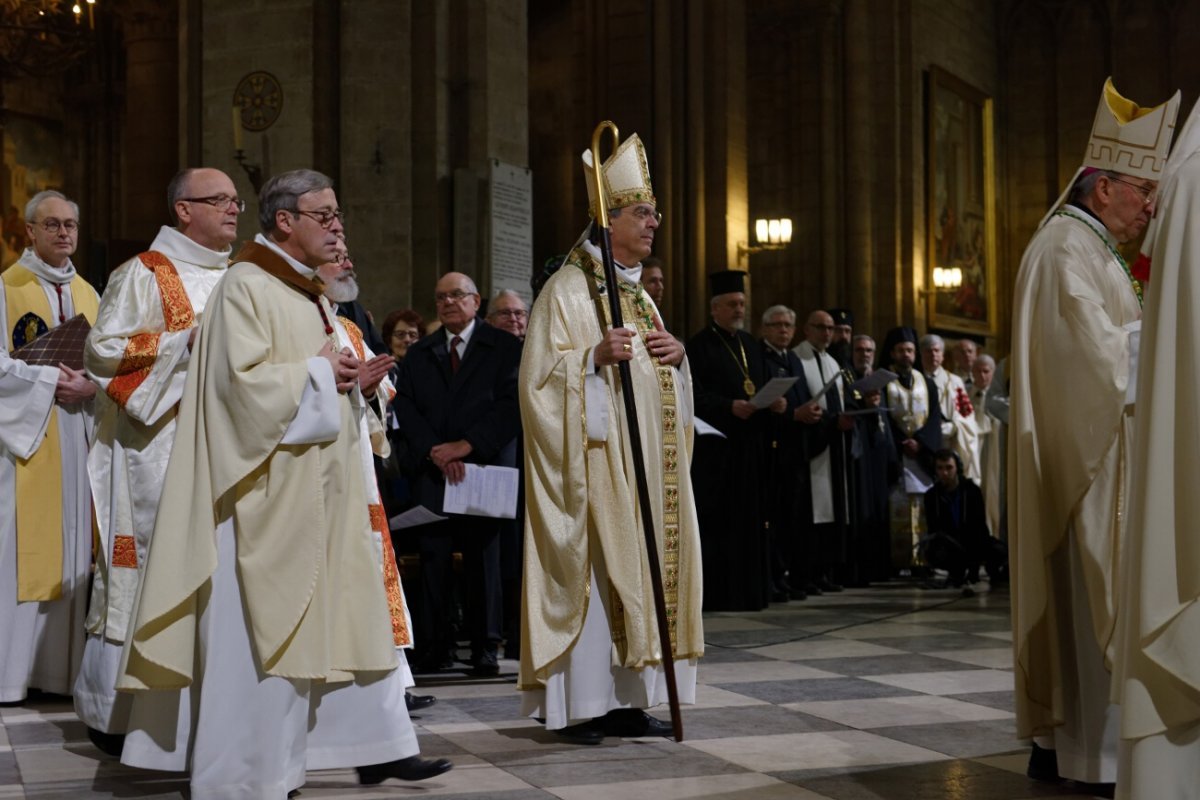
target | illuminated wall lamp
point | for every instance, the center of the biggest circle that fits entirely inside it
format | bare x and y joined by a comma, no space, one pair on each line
769,234
945,279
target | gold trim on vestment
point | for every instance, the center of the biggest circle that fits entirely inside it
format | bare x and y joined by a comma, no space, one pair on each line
636,307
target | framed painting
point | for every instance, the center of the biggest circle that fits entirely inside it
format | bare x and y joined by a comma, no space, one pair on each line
960,207
32,162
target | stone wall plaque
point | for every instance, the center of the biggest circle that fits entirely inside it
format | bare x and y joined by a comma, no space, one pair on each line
510,194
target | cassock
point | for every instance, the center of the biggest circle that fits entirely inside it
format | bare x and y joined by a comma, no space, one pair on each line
590,640
873,457
137,352
727,472
913,413
45,503
959,431
1068,451
262,587
825,450
786,480
1157,666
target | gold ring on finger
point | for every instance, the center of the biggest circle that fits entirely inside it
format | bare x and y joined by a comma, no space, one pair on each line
627,348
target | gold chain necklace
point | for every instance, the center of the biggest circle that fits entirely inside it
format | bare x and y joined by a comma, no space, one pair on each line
747,384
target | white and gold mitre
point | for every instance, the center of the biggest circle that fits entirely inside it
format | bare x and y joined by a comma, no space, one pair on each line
626,176
1129,139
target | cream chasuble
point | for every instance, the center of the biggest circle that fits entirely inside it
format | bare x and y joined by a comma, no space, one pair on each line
580,490
991,432
1157,670
306,565
1068,450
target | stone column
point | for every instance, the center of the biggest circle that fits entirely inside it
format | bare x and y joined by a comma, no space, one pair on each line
151,128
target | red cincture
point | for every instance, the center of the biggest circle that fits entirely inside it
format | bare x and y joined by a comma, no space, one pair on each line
324,316
62,317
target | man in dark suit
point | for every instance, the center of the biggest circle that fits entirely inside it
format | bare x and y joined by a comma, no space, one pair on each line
456,402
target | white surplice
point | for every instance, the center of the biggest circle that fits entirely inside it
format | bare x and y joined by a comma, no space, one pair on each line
41,643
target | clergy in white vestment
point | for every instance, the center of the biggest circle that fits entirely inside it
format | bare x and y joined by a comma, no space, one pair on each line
959,432
1074,308
1157,665
915,421
138,353
590,652
45,424
985,392
824,426
262,589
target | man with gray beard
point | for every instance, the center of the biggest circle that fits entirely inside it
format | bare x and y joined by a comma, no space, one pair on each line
728,367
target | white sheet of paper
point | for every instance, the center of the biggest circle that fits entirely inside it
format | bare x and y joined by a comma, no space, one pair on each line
704,429
873,382
414,517
485,492
1135,341
771,391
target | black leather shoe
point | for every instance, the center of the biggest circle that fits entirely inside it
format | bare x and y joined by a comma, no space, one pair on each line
799,594
634,722
485,664
111,744
813,589
413,768
432,662
415,702
1043,765
589,732
827,585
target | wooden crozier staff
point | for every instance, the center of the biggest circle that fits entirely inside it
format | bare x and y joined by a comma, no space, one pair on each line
635,435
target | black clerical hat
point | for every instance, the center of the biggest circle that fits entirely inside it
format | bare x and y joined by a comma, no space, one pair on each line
897,335
730,280
842,316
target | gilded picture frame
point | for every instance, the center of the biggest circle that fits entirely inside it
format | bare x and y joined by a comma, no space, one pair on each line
960,206
31,162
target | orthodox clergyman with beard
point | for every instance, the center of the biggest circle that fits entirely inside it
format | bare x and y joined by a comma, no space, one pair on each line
729,368
916,427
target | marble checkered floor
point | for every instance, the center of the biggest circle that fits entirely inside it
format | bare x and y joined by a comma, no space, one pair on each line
888,693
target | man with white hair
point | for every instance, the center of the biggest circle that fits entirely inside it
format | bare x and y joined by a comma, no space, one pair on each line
965,353
958,422
45,502
508,312
1074,306
986,399
138,353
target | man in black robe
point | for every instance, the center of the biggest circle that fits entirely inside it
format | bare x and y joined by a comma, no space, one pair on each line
843,332
786,479
727,370
873,458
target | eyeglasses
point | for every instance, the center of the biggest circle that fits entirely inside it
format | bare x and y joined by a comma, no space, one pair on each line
454,297
644,213
221,202
781,324
513,313
1148,193
324,217
52,225
409,334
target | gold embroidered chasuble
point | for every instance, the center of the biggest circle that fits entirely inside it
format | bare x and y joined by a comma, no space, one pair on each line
581,490
314,600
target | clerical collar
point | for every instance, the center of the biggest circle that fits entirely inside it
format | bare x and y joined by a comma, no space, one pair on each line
465,334
782,353
307,272
176,245
31,261
1091,218
628,274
